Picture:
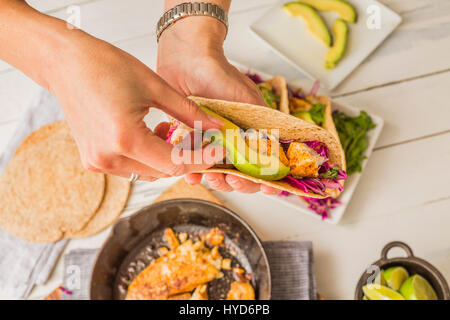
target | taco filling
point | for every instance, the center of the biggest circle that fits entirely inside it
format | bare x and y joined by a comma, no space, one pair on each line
305,110
306,162
310,170
271,98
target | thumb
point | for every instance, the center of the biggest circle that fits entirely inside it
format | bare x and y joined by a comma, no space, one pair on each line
186,110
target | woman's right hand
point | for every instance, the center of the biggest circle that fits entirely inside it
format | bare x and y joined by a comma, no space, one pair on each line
105,94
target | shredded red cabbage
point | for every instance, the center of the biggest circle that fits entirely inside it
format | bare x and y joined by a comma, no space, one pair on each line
306,184
332,184
322,206
295,93
315,88
318,147
65,290
171,131
342,175
254,77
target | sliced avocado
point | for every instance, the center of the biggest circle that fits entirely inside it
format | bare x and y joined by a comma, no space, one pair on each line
313,20
244,158
304,115
343,8
340,30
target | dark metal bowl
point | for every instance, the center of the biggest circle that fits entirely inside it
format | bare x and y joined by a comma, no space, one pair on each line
134,241
412,264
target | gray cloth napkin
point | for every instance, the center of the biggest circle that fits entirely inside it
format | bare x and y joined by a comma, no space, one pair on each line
291,266
24,264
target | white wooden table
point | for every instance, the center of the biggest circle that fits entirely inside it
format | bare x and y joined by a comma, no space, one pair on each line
404,193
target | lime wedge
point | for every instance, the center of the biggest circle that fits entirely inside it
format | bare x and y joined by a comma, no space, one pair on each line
417,288
377,292
380,279
365,298
395,276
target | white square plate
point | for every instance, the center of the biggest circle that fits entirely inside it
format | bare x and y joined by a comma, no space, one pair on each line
289,37
350,185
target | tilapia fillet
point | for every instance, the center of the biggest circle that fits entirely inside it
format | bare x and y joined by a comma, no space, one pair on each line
181,270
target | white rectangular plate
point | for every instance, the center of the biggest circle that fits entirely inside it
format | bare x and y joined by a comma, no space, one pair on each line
350,185
289,37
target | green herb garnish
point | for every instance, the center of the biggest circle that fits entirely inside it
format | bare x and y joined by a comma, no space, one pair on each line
270,97
353,135
332,173
317,113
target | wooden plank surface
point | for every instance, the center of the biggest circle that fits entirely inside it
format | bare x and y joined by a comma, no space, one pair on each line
403,193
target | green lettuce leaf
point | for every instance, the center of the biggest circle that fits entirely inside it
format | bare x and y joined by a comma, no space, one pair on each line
353,135
317,113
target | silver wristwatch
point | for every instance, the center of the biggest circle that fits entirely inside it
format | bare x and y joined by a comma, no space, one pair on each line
187,9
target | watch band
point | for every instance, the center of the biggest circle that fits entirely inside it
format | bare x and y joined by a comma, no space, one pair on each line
188,9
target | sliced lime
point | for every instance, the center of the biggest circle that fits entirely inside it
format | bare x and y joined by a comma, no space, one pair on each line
380,279
395,276
417,288
377,292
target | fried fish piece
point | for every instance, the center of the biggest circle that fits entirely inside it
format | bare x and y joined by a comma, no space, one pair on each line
240,290
214,237
303,161
200,293
181,270
264,147
296,105
171,238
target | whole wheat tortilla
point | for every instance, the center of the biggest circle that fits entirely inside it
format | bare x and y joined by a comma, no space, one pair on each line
248,116
45,191
117,190
280,86
330,127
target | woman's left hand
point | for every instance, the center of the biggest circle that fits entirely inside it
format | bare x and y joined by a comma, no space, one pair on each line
191,60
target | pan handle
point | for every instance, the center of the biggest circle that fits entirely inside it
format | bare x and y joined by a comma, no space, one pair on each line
394,244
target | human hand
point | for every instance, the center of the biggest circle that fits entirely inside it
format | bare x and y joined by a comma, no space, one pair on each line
192,61
105,94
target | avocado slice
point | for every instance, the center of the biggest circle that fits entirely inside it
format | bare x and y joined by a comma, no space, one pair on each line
343,8
313,20
304,115
340,30
244,158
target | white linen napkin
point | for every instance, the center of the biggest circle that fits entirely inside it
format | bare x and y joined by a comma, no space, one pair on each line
24,264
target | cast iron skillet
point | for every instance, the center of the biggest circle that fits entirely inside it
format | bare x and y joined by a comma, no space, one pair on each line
134,241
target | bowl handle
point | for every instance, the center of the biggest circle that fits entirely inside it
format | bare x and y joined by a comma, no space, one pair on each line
394,244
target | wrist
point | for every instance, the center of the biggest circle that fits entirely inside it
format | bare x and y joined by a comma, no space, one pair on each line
169,4
201,34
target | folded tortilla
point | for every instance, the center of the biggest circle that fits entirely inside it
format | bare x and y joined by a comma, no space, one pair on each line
248,116
330,127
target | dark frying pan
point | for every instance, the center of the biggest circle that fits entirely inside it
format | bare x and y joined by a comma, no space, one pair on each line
134,241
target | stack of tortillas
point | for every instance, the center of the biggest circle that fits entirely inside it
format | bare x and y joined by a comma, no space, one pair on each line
46,194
